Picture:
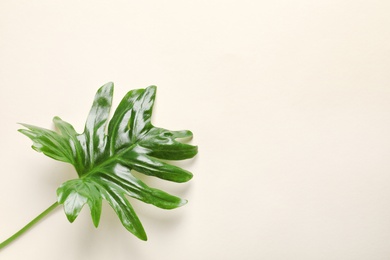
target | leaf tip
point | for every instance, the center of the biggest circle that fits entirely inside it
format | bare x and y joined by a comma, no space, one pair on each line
151,91
95,214
152,87
140,233
186,176
95,223
107,89
182,202
109,85
56,119
22,124
71,218
196,150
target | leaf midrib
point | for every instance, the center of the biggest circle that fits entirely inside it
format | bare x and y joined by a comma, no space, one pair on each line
109,160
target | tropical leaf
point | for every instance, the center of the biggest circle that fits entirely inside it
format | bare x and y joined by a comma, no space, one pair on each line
105,154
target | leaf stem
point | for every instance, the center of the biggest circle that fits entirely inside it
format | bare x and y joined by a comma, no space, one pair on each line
29,225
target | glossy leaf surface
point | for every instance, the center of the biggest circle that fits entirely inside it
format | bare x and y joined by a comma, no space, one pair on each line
107,151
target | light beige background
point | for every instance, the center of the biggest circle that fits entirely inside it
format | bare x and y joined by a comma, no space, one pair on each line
289,102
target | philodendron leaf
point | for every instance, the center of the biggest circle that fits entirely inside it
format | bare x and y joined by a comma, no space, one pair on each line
107,151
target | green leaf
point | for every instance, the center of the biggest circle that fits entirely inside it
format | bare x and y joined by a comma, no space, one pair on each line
107,152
